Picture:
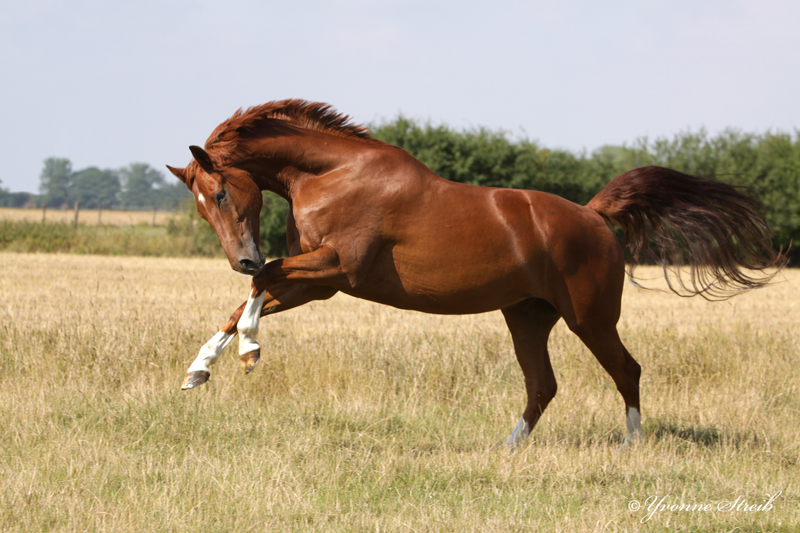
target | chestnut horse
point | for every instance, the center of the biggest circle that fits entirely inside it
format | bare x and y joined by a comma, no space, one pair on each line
368,219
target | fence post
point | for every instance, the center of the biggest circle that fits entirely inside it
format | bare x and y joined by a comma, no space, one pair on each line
77,208
44,212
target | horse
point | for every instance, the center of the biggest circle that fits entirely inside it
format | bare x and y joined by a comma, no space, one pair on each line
368,219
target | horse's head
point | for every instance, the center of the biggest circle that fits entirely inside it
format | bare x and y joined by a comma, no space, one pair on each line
230,201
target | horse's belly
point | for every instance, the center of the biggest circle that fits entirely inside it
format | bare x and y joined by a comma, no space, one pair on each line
451,292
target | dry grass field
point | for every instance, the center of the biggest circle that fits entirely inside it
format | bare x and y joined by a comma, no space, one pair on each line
87,216
365,418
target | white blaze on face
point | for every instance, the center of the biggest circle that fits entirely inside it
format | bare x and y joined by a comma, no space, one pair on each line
248,324
210,352
201,198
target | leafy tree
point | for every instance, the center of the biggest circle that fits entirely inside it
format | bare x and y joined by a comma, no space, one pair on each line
94,188
138,185
16,199
171,196
775,176
55,182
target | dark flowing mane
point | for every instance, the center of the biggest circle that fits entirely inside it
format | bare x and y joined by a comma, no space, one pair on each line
298,113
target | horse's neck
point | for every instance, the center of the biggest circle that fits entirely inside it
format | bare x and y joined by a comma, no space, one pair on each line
279,165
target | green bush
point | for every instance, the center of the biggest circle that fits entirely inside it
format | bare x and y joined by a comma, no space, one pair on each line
273,225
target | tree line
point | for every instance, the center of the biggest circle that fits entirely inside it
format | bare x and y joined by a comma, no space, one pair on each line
136,186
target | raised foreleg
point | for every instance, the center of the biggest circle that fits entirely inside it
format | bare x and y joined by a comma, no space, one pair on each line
282,284
319,267
245,322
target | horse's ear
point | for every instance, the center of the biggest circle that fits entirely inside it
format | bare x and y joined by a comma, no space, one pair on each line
202,158
179,173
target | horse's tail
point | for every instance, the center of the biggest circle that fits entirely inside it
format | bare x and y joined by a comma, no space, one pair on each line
675,219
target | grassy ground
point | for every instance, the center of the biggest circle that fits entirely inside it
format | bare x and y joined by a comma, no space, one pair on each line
181,236
364,418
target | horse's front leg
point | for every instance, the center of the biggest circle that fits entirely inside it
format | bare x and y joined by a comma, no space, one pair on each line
281,280
277,299
200,369
245,321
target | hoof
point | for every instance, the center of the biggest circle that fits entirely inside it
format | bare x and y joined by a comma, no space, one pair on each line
249,360
519,435
193,379
630,442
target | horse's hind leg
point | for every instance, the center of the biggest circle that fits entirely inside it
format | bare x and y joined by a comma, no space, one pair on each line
245,322
605,344
599,334
530,323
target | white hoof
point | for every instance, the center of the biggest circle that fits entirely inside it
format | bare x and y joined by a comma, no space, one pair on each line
519,435
634,425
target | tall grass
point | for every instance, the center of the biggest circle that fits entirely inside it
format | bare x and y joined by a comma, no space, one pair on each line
180,237
89,217
365,418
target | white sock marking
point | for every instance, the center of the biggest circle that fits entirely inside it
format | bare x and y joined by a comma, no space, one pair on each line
519,435
634,423
210,352
248,324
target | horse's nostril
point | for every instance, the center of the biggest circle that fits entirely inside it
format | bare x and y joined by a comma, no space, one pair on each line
248,265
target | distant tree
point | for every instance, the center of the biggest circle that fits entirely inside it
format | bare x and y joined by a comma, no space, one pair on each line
54,182
17,199
139,183
171,196
94,188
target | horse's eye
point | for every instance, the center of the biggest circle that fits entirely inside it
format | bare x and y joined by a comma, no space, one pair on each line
220,196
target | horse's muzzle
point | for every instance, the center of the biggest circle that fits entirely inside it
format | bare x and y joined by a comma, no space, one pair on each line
250,267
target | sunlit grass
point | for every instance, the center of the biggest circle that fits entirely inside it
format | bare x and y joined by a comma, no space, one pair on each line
109,217
364,418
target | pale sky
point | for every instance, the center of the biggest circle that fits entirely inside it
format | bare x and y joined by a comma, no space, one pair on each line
107,83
